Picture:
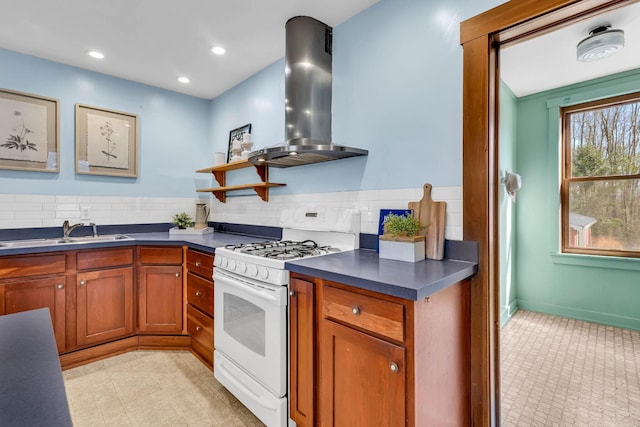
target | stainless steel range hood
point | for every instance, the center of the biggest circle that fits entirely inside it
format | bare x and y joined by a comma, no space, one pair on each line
307,93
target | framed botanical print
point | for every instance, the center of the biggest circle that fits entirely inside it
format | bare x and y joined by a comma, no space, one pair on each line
106,142
29,132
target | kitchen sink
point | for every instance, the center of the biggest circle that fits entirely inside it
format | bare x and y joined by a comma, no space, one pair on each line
35,243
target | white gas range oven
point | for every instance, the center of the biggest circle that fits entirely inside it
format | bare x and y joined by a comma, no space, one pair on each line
251,298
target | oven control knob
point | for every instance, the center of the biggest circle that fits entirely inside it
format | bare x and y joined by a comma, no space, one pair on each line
252,270
223,262
232,265
264,273
242,267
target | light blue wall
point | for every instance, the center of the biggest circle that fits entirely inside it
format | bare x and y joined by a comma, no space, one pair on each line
599,289
173,131
397,91
507,161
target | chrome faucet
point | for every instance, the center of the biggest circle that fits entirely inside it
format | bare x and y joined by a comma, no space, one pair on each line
67,229
95,229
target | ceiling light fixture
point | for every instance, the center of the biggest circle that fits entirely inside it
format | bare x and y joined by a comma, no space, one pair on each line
95,54
601,43
184,79
218,50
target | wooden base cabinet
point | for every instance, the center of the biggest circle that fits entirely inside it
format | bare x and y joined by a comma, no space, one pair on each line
376,359
29,282
104,305
104,295
31,294
302,335
160,295
362,379
200,304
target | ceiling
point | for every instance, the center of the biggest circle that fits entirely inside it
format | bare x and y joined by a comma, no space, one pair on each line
156,41
549,61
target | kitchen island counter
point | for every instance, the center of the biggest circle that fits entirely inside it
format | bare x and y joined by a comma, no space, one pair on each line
32,391
364,269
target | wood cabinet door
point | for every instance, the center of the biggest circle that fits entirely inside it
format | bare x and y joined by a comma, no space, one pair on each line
160,298
104,305
31,294
362,379
301,342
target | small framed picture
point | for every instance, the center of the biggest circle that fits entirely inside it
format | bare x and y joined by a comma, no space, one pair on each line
29,132
236,135
106,142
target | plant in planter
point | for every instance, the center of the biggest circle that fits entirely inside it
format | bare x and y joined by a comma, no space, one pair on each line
182,220
401,226
400,240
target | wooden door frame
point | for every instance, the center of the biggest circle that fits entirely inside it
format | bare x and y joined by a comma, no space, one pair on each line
480,36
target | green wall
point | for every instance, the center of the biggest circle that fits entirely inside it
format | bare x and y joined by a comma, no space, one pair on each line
599,289
507,161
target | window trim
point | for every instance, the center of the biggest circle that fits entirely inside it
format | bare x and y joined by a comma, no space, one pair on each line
566,179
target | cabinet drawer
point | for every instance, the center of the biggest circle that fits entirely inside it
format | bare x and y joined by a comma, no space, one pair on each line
200,293
103,258
381,317
160,255
200,327
32,265
200,263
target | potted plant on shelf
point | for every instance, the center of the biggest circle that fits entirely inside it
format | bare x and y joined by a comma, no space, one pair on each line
401,240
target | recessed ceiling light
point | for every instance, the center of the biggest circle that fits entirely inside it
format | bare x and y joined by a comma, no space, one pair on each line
218,50
184,79
96,54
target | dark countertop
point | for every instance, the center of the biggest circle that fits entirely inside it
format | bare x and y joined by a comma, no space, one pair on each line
361,268
207,242
32,391
364,269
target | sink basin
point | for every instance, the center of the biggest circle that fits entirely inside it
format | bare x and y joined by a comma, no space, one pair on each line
35,243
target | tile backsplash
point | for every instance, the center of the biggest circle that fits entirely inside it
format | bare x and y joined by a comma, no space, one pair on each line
32,211
252,210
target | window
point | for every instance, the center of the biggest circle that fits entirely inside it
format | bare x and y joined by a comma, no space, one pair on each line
600,190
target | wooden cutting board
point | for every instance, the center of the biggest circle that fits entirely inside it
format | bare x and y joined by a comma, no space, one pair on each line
432,217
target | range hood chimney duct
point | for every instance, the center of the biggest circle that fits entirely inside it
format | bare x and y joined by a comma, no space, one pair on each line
307,92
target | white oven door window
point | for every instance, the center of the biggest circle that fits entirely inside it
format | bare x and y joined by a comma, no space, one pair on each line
250,328
245,322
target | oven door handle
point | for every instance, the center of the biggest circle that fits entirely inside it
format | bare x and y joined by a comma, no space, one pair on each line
254,290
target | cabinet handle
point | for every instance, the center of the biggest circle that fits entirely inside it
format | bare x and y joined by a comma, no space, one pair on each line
198,264
177,274
198,328
60,286
198,293
394,367
292,293
83,282
356,311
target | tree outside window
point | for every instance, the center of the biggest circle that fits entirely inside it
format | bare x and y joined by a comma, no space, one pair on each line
600,191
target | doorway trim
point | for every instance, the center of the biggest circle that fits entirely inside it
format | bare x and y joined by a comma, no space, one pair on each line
480,37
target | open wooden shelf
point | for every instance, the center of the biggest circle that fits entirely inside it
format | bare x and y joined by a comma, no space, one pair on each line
220,174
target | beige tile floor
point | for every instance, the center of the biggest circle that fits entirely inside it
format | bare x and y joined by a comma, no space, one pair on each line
151,388
563,372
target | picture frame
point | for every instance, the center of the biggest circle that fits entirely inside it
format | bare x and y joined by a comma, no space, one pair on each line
106,142
29,132
236,135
